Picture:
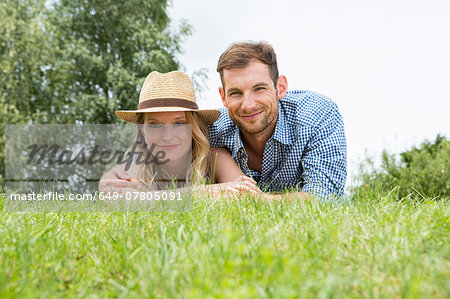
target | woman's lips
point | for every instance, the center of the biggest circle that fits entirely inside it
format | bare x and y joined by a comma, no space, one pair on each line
252,116
168,147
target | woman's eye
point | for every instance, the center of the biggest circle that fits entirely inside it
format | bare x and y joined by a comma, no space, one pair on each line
154,126
179,123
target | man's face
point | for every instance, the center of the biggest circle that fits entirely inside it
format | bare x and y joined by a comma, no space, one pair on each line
251,97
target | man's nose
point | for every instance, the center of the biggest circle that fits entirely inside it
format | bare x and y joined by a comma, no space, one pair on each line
248,102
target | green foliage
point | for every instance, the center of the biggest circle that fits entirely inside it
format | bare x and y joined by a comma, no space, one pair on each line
112,46
423,170
24,51
79,61
372,248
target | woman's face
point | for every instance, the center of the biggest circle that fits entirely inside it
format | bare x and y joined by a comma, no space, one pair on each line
168,133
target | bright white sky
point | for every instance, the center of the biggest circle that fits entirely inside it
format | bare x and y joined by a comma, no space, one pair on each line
385,63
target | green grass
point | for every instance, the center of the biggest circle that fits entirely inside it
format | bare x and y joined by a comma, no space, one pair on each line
373,247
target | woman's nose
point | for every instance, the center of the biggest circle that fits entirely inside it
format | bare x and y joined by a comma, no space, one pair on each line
169,131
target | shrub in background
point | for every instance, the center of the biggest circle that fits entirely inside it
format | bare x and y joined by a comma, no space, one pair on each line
422,171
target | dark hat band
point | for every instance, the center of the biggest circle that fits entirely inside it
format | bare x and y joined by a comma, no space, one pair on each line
167,102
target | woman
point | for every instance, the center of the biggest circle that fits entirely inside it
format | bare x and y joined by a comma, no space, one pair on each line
166,152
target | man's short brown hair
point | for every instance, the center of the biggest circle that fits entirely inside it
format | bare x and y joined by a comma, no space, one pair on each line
239,55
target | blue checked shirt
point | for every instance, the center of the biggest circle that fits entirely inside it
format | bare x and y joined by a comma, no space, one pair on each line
306,152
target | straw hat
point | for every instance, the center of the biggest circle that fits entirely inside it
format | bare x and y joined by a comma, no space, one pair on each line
167,92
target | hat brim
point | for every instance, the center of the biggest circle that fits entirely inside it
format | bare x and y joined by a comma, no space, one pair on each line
208,116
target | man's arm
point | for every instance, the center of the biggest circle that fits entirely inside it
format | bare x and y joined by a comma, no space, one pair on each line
228,171
325,158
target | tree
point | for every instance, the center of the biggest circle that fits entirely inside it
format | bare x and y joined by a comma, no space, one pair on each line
24,51
79,61
113,45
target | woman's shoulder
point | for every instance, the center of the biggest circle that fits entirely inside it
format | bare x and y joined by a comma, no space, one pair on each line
223,126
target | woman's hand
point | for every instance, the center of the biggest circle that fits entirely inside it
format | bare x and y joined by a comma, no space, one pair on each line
118,180
242,184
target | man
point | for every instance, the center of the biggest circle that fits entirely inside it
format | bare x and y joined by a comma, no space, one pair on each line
284,140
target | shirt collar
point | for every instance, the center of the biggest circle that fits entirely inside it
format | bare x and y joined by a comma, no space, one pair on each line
282,129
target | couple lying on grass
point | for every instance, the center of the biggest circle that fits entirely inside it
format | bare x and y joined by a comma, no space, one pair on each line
265,139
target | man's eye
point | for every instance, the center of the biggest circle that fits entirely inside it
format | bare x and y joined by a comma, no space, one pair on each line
259,88
235,93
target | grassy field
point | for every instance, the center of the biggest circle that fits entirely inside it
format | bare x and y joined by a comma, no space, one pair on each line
371,248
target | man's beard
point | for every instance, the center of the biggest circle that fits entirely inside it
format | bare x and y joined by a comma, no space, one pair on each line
265,123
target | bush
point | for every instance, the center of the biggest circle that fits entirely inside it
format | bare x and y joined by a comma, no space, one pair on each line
422,171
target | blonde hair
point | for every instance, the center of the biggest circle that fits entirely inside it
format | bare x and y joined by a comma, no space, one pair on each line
197,169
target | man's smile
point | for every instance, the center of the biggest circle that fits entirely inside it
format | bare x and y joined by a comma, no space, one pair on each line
251,116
